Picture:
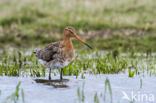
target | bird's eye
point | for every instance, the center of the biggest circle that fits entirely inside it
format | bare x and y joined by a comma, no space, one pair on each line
70,30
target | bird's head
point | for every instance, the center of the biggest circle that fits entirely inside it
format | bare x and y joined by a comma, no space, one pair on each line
70,32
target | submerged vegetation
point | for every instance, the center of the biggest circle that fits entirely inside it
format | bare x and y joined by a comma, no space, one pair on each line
15,97
98,98
24,63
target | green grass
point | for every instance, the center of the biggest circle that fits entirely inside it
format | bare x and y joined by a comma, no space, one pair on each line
14,97
33,22
142,44
20,63
107,85
82,14
125,43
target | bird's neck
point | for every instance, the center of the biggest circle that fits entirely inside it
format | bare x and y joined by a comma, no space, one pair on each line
67,43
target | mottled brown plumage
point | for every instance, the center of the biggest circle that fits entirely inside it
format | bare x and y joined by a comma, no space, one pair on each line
59,54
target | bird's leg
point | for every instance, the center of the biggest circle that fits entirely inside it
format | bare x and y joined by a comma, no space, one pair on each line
50,74
61,73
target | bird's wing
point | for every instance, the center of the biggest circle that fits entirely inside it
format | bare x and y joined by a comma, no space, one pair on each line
48,53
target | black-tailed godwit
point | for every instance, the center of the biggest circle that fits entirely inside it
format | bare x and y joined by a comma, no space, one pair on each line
57,55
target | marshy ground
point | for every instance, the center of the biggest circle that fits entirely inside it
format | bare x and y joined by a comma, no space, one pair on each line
93,76
122,33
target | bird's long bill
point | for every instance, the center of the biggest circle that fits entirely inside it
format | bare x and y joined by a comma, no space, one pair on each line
82,41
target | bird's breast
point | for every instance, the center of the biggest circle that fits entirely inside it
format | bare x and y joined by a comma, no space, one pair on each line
69,55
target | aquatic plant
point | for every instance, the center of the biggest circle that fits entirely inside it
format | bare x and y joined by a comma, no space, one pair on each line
131,73
108,86
96,99
81,94
140,83
14,98
20,63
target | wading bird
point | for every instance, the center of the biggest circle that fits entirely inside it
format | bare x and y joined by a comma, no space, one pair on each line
57,55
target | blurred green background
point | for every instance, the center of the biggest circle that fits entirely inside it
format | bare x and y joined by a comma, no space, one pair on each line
126,25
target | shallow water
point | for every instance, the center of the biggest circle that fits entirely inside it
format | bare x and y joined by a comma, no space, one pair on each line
120,84
57,83
141,87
